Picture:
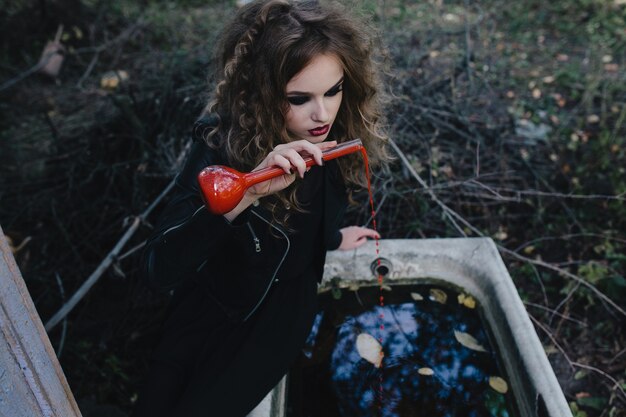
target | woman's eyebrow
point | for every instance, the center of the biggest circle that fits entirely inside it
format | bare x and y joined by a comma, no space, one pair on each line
303,93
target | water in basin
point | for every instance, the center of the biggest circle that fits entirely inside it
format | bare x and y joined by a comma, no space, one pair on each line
437,361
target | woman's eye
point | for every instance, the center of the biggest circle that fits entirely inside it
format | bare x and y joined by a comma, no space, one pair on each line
334,91
297,100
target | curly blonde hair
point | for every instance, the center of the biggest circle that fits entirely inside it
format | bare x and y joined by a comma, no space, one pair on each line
265,46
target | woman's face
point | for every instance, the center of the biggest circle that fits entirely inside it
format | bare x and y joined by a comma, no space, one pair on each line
314,95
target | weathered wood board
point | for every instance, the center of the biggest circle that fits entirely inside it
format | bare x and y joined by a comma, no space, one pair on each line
32,383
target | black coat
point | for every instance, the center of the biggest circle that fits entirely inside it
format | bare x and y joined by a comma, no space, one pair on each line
234,263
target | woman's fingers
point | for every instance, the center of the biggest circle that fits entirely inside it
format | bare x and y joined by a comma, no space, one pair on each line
369,233
355,236
306,148
288,160
282,162
294,152
327,145
290,157
296,161
319,148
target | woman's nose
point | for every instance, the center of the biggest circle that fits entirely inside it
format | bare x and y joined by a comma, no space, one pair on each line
320,112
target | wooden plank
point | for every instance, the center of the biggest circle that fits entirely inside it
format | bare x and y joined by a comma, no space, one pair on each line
31,380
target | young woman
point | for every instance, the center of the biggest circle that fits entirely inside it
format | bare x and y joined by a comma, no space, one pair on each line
295,78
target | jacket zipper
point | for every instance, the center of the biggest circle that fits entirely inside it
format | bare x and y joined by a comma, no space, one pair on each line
269,285
257,247
257,242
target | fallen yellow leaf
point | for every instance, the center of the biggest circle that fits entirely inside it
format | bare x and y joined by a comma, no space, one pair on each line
501,234
438,295
594,118
77,32
416,296
112,79
467,300
468,341
370,349
498,384
425,371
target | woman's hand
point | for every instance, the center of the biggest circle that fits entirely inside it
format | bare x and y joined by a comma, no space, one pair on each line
354,236
286,156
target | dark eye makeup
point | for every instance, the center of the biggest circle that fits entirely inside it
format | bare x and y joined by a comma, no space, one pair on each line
335,90
298,100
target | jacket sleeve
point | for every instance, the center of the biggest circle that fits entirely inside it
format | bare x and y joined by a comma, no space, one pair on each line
334,241
187,234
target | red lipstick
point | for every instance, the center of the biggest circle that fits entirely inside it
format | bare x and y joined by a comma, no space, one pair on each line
319,131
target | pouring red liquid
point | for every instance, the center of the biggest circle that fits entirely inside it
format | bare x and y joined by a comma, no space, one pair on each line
224,187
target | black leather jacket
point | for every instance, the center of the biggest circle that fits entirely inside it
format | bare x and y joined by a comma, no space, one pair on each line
234,263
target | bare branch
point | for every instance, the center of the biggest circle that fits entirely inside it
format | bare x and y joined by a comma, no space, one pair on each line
105,264
555,312
616,384
565,273
453,215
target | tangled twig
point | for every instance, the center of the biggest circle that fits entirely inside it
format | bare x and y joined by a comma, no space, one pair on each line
454,217
111,257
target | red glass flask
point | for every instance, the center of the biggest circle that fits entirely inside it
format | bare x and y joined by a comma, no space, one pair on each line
223,187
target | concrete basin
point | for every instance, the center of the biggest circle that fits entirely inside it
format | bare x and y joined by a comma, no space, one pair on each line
475,265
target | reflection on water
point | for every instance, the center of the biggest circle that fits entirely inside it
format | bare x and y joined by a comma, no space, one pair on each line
437,358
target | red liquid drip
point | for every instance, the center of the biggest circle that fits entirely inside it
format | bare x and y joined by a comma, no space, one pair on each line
380,277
